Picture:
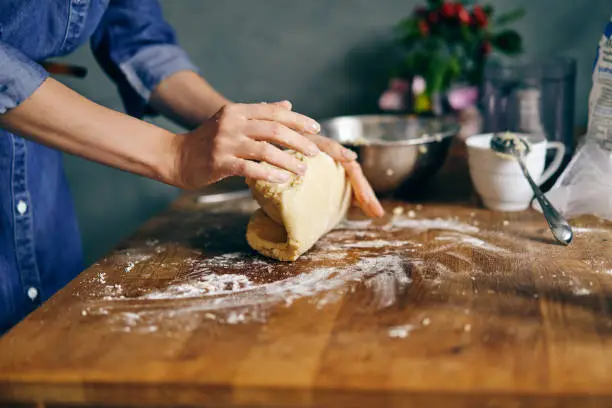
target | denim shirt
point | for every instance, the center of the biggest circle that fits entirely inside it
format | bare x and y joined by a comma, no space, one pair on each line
40,247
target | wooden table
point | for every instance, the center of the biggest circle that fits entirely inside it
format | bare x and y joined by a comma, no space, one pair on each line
445,304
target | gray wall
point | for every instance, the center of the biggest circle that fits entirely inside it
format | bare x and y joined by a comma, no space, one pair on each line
328,57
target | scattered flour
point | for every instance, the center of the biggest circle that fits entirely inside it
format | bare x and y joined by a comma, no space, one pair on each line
471,241
211,284
584,230
581,291
236,298
401,332
377,243
431,224
388,285
113,292
400,222
333,256
132,257
244,293
361,224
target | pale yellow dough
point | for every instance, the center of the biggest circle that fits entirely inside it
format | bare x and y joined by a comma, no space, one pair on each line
294,215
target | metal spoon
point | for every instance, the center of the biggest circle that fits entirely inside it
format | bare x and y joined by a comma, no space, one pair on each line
517,147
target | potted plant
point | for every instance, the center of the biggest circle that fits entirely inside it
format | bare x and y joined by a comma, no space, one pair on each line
445,45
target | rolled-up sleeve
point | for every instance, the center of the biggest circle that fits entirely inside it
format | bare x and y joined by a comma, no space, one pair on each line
19,77
138,49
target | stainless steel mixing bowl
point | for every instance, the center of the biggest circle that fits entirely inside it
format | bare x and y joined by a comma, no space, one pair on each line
397,153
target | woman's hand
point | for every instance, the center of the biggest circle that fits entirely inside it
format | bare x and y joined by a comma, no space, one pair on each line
239,137
362,191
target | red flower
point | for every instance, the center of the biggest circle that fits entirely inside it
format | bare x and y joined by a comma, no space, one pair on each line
480,16
423,28
448,10
462,13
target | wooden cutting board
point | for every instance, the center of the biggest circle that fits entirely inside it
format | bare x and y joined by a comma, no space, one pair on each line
434,305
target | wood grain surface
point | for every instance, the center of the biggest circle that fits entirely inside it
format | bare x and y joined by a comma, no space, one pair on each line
441,303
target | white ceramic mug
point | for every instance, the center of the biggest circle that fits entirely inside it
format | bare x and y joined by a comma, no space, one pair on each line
499,181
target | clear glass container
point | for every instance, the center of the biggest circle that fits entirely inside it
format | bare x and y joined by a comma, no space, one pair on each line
534,97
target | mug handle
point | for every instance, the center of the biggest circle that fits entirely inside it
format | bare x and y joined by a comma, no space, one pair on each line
556,163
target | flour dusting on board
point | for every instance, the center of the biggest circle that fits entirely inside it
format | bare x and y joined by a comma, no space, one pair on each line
210,284
471,241
240,288
401,332
431,224
234,298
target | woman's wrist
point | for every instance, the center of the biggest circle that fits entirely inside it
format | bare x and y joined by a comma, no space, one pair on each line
169,161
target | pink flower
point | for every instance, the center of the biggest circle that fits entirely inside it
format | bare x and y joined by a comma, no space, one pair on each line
461,98
418,85
391,100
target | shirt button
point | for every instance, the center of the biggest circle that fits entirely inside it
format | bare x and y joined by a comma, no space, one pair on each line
22,207
32,293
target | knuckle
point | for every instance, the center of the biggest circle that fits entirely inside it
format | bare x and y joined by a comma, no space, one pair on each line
330,146
239,167
333,144
266,150
230,114
276,130
295,164
276,112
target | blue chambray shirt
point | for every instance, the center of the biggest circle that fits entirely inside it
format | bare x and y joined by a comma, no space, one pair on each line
40,248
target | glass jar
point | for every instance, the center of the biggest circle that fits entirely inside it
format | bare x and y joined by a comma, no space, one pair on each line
534,97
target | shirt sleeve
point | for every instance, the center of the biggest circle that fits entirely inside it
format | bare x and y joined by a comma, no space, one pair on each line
137,48
19,77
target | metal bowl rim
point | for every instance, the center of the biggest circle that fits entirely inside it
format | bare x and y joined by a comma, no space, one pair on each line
436,137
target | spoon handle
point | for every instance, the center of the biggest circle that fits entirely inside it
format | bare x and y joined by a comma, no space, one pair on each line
559,227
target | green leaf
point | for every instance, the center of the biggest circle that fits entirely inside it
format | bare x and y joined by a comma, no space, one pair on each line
509,17
508,41
434,77
454,68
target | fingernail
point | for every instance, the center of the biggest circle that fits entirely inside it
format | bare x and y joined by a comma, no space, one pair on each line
379,208
314,127
373,207
349,154
278,177
302,168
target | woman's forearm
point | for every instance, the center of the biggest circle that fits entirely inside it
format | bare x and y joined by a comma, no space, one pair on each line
187,99
60,118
